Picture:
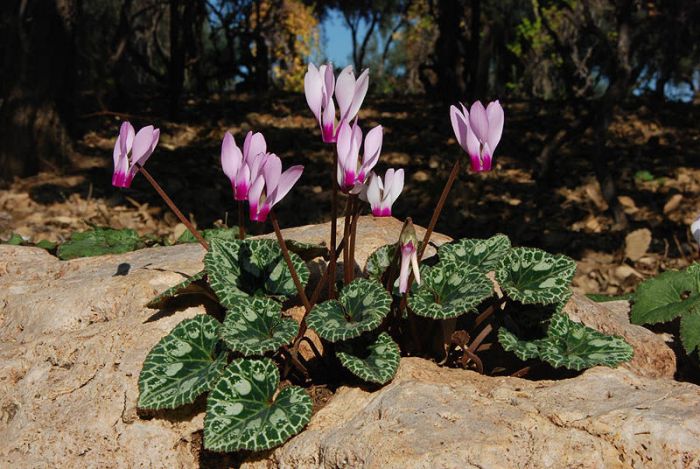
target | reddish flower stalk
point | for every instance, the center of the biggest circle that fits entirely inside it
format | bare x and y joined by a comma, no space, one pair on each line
173,207
241,220
288,260
334,228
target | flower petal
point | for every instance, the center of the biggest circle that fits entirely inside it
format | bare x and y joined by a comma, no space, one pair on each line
272,171
328,83
231,157
478,121
361,86
313,89
344,143
373,147
374,193
396,187
256,145
286,182
405,270
328,123
494,113
142,145
473,145
254,195
460,122
345,90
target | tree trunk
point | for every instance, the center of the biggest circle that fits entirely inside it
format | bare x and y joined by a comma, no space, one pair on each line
449,53
36,91
176,65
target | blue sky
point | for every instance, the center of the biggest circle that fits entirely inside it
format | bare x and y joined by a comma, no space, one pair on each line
336,41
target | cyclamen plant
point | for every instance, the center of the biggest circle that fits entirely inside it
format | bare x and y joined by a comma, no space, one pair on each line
239,357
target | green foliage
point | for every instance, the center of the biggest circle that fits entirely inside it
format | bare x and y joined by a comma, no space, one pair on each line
533,276
450,289
376,362
241,411
379,261
307,251
182,365
46,244
100,241
250,268
482,254
14,240
570,345
668,296
361,307
209,235
254,326
192,284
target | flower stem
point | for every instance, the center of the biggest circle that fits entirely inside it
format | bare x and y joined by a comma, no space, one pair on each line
353,236
241,220
288,260
437,211
334,228
173,207
347,272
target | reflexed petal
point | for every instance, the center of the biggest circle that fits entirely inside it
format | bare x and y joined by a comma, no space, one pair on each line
344,143
345,90
374,191
142,144
254,194
486,158
459,126
473,145
494,113
478,121
313,89
405,270
154,142
256,145
272,171
414,265
373,147
396,187
286,182
242,183
231,157
328,123
329,83
361,86
126,137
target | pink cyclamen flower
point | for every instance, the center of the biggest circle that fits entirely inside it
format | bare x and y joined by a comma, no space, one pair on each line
319,86
478,131
408,243
352,175
242,167
140,146
270,186
381,195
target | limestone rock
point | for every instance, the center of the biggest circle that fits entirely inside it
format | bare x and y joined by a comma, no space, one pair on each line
434,417
74,335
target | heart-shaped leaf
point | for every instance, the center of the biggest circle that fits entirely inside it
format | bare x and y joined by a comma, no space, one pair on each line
667,296
254,326
534,276
483,254
209,234
379,261
182,365
98,242
571,345
243,412
376,362
192,284
252,267
361,307
523,349
307,251
450,289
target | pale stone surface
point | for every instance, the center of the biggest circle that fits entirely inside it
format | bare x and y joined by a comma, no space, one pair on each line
431,417
73,337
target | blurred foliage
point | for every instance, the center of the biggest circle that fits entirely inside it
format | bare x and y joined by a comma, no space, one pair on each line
99,241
